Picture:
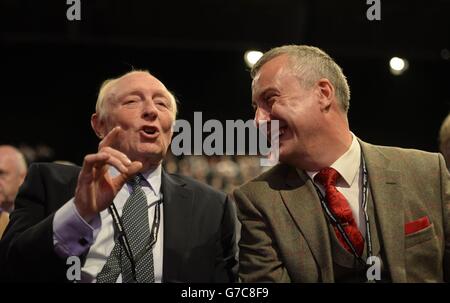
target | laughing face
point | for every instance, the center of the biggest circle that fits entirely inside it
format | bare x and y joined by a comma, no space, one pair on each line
278,94
141,105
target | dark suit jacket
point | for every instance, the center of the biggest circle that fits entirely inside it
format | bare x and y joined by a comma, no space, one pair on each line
199,229
285,236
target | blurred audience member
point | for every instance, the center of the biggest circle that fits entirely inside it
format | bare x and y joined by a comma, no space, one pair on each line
39,153
221,172
13,169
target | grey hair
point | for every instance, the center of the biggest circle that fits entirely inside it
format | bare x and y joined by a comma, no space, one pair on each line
311,64
106,86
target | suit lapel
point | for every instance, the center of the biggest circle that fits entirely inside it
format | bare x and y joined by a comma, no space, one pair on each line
178,207
304,206
386,189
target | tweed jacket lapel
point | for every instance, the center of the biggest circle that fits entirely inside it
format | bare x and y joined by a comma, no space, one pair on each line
303,204
386,188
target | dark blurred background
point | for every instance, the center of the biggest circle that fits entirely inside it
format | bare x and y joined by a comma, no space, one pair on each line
52,68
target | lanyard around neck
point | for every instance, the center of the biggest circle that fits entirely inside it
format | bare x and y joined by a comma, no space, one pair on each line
123,238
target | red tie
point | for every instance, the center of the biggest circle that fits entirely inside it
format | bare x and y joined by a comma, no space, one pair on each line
341,210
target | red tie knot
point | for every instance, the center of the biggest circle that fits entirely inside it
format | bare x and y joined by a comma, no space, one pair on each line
327,177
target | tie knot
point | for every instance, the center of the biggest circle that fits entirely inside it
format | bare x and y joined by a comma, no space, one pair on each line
135,181
327,176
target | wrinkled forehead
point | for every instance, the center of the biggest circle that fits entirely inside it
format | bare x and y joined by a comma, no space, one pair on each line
271,73
136,82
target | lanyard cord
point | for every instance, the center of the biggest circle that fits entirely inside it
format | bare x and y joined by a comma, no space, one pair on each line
123,239
365,184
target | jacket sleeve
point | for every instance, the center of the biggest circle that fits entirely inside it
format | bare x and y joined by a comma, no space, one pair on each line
259,260
226,253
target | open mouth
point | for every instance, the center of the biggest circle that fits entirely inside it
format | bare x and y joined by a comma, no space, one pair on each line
150,131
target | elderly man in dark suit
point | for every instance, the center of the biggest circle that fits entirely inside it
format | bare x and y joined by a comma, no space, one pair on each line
336,209
13,169
121,214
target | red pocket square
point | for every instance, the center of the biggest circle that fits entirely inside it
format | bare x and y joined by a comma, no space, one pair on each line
415,226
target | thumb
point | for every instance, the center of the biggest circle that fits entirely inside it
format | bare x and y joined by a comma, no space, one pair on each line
134,168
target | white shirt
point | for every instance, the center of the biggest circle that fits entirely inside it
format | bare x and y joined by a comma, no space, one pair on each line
349,184
69,227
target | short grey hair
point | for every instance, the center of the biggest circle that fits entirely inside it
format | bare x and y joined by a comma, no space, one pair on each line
106,86
311,64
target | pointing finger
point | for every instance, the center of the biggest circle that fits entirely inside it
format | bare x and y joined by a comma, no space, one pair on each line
110,138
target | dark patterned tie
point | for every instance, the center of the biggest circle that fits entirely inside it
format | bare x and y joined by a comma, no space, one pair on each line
135,224
340,208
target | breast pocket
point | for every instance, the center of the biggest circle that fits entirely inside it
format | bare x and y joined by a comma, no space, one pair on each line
420,236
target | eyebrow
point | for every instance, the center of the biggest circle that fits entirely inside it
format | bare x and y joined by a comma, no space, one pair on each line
163,94
158,93
128,93
264,93
268,90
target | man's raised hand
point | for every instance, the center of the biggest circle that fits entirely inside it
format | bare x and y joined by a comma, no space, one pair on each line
96,188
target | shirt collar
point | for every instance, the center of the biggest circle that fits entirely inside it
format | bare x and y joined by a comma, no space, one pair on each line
346,165
152,177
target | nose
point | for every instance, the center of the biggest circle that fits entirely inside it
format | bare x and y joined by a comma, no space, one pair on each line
149,111
262,115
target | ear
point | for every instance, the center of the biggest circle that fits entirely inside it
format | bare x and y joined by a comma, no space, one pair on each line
22,177
325,93
98,125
